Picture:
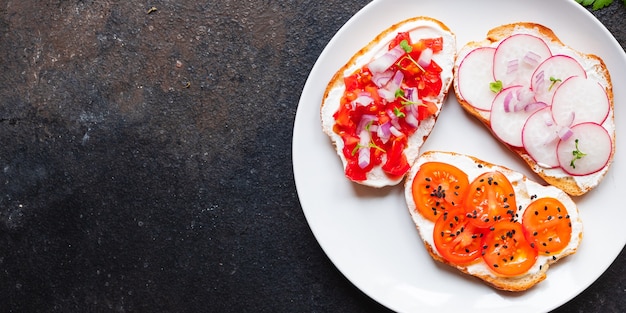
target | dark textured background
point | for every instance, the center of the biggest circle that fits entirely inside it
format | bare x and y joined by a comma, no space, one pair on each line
146,159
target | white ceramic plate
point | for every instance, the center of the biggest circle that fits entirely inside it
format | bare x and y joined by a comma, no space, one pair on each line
368,233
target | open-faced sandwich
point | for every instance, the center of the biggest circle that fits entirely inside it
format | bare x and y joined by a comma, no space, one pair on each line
381,106
548,103
489,221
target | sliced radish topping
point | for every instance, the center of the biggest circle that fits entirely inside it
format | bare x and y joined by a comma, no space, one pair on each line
586,97
558,68
529,50
586,151
540,139
385,61
507,124
474,76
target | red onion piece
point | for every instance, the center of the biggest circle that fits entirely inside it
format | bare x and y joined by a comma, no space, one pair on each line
425,57
389,91
565,133
411,119
507,101
533,106
364,157
363,100
512,66
384,132
365,119
570,119
386,60
381,79
394,131
532,59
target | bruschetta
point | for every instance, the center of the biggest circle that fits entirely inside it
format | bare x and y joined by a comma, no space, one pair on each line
548,103
381,106
489,221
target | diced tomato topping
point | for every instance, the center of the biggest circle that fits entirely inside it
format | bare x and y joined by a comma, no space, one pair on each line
428,83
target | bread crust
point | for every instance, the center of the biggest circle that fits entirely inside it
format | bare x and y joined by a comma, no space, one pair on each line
377,178
517,283
565,182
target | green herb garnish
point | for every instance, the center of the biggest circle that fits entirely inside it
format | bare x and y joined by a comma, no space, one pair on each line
496,86
554,81
404,44
577,155
398,113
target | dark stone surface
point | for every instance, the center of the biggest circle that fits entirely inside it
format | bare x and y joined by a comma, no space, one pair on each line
146,159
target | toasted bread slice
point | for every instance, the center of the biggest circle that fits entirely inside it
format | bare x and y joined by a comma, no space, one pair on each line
418,28
526,191
594,69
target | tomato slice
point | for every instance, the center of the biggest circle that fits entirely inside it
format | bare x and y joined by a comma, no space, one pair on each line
490,198
547,225
436,187
506,251
457,240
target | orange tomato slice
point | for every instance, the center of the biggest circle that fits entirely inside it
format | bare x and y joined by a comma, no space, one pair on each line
506,250
490,198
436,187
457,240
547,225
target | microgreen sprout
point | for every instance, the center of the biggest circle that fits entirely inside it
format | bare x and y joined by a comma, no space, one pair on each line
554,81
577,155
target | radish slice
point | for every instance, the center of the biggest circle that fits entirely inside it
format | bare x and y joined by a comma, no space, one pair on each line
518,47
540,139
586,151
559,67
474,76
586,97
508,125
